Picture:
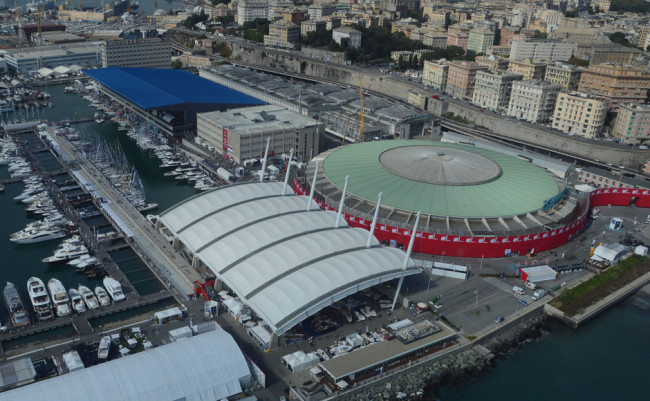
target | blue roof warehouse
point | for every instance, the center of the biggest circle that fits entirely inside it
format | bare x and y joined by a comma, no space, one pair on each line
168,98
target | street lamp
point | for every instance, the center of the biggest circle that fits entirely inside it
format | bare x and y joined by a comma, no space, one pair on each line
476,303
428,285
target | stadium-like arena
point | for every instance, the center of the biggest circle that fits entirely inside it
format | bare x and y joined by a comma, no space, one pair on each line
475,201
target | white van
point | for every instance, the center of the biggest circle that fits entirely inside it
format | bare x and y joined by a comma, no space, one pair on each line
539,294
530,285
518,290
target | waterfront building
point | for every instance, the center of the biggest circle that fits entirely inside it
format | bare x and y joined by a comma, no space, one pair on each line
632,124
533,100
249,10
347,32
84,54
461,77
492,89
435,74
616,82
563,74
493,63
479,40
282,33
540,49
145,53
530,69
579,113
241,133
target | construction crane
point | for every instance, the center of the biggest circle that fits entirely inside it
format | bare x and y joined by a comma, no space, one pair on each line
19,17
360,120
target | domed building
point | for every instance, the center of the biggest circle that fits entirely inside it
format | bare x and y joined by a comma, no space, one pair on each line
475,201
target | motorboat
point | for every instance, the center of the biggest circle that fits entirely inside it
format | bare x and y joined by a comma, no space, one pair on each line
89,262
59,297
148,207
114,289
66,253
88,297
104,347
102,296
40,299
77,301
33,236
15,306
75,262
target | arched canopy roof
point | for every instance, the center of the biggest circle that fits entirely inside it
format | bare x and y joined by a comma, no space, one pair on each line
285,262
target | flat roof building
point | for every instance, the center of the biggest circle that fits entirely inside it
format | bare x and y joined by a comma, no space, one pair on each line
632,124
580,114
563,74
479,40
242,133
435,73
540,49
283,33
492,89
530,69
620,83
24,60
143,53
533,100
461,78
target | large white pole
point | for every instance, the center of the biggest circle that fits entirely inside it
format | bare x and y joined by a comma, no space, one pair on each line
266,156
406,259
374,222
286,177
338,215
313,186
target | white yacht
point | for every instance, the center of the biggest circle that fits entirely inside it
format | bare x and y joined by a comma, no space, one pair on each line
102,296
89,297
114,289
77,301
75,262
104,347
59,297
33,236
66,253
40,298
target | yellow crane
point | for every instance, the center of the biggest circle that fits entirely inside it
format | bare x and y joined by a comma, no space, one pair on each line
360,120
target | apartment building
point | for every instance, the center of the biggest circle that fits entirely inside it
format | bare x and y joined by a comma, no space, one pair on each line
249,10
144,53
461,77
492,89
540,49
458,38
479,40
440,17
312,26
579,113
632,123
507,34
530,69
493,63
533,100
563,74
347,32
320,10
282,33
435,74
620,83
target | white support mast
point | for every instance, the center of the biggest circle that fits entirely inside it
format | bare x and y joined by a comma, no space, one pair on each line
313,187
374,222
406,259
286,177
338,215
266,156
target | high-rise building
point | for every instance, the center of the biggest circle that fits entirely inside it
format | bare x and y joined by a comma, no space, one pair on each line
617,82
541,49
563,74
479,40
579,113
461,76
435,74
144,53
632,123
533,100
492,89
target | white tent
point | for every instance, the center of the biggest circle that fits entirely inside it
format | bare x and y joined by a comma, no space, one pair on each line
610,254
61,70
45,72
73,361
299,361
641,250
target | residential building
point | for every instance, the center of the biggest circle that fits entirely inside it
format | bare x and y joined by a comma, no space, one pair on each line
461,76
249,10
601,178
144,53
332,22
607,53
295,16
563,74
347,32
320,10
632,123
644,37
435,74
578,113
493,63
242,132
435,39
530,69
533,100
507,34
84,54
437,16
502,51
458,38
602,5
492,89
541,49
312,26
479,40
619,83
282,33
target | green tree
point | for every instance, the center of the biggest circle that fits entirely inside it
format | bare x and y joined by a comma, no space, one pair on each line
571,13
578,62
636,6
540,35
619,37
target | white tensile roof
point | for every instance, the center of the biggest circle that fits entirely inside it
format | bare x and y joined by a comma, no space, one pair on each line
209,366
284,262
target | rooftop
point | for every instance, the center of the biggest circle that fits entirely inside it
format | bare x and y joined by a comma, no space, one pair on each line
251,120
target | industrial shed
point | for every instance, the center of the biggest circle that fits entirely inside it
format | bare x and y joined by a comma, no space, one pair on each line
281,254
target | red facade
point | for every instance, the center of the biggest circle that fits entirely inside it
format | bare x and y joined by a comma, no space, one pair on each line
495,247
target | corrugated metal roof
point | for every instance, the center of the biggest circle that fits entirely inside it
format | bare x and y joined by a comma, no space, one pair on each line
154,88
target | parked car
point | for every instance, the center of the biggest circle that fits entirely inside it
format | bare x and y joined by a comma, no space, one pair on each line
499,319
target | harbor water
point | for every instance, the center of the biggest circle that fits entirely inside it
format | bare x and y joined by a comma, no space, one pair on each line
146,6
